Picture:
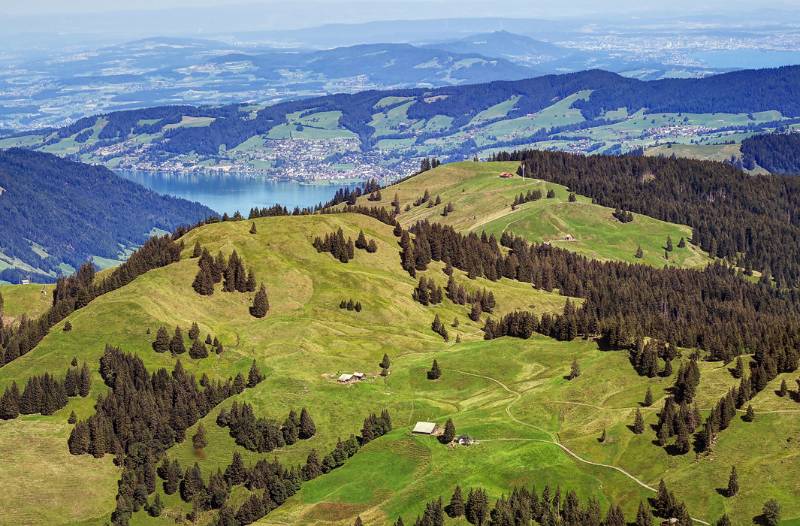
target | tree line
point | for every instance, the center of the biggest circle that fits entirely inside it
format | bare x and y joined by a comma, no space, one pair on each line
76,291
261,434
525,506
45,394
713,309
753,221
176,344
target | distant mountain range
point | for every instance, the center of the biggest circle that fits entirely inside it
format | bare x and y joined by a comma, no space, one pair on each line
385,133
43,91
58,213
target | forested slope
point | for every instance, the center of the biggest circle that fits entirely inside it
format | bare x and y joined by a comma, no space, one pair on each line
57,212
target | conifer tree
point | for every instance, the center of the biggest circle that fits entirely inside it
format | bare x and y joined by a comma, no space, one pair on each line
358,521
668,247
575,370
176,345
203,282
161,343
260,305
385,362
648,397
724,520
434,373
361,240
307,427
67,326
250,283
194,331
475,312
9,403
236,472
639,252
449,433
614,517
749,415
197,250
156,507
784,389
254,376
456,506
733,483
253,228
198,350
771,513
638,423
682,243
644,516
199,440
603,436
476,510
72,418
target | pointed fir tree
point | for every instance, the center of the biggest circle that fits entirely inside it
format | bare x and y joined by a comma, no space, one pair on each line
434,373
639,252
648,397
161,343
449,433
176,345
733,483
254,376
644,517
724,520
668,247
194,331
638,423
456,506
199,439
385,362
307,428
253,229
260,305
574,370
749,415
198,350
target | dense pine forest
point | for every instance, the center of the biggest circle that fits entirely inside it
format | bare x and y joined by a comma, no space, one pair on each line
74,211
778,153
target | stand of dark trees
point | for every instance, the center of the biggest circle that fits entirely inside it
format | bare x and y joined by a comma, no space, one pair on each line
713,309
335,243
76,291
143,416
44,394
778,153
525,506
261,434
753,221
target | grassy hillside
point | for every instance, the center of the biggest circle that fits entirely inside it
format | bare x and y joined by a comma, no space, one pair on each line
509,394
33,299
482,202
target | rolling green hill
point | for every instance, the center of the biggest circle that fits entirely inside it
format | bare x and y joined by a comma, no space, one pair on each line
482,202
533,426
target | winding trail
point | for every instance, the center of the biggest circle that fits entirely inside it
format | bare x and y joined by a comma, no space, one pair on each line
554,438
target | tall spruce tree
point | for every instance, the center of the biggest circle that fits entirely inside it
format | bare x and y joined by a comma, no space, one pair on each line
733,483
161,343
638,423
260,305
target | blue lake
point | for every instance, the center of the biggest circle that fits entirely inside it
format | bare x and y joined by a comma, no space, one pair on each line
231,192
